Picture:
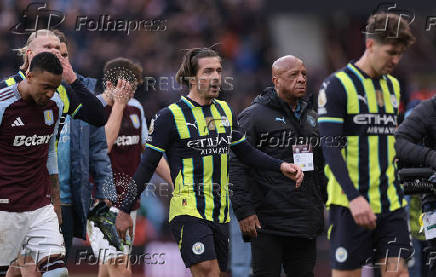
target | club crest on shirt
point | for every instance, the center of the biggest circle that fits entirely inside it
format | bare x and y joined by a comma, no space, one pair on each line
225,121
135,120
48,117
210,123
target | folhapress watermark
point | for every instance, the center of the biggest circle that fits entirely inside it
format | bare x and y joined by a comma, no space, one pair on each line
106,23
87,257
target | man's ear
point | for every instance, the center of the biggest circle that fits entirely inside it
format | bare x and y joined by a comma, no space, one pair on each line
275,81
369,43
29,75
192,81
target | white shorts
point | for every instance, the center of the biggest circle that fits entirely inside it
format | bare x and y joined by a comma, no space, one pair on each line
36,232
101,247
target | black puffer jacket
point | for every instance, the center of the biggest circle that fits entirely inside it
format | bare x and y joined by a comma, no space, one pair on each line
416,140
271,127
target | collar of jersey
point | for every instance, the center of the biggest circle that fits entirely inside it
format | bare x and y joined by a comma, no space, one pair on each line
14,87
191,103
359,72
22,75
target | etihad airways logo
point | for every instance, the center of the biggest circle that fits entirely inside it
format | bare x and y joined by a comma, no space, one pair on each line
379,119
211,145
31,140
378,124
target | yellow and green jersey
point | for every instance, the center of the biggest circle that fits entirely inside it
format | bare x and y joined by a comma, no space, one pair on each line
364,111
197,141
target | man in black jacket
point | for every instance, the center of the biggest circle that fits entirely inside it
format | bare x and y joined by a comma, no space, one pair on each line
416,147
282,220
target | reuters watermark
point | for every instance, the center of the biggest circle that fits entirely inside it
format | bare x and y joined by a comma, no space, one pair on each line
165,83
198,189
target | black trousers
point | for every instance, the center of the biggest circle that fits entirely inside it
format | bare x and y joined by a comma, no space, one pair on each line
270,252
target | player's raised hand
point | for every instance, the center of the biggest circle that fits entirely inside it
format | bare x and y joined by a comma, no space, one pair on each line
68,74
123,223
362,213
122,92
294,172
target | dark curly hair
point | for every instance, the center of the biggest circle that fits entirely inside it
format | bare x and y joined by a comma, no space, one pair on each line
46,61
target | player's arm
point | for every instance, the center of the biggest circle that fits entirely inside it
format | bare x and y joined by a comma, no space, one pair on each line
242,203
331,118
412,131
113,124
162,169
55,195
100,165
158,142
79,102
252,157
53,171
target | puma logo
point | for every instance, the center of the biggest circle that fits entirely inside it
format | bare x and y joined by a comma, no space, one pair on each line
363,98
282,119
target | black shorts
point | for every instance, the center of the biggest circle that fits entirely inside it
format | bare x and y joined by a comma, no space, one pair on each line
352,246
201,240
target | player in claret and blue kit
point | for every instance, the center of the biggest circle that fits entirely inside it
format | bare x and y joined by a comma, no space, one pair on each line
29,186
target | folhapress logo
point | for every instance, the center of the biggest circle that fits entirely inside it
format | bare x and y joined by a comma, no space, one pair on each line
31,140
387,8
37,16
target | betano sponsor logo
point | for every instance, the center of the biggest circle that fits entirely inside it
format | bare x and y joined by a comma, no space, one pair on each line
34,140
127,140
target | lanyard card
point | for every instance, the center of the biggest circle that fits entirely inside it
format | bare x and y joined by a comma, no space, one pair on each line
429,220
303,156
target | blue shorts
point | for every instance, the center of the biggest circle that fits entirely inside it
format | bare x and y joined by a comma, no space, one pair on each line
352,246
201,240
